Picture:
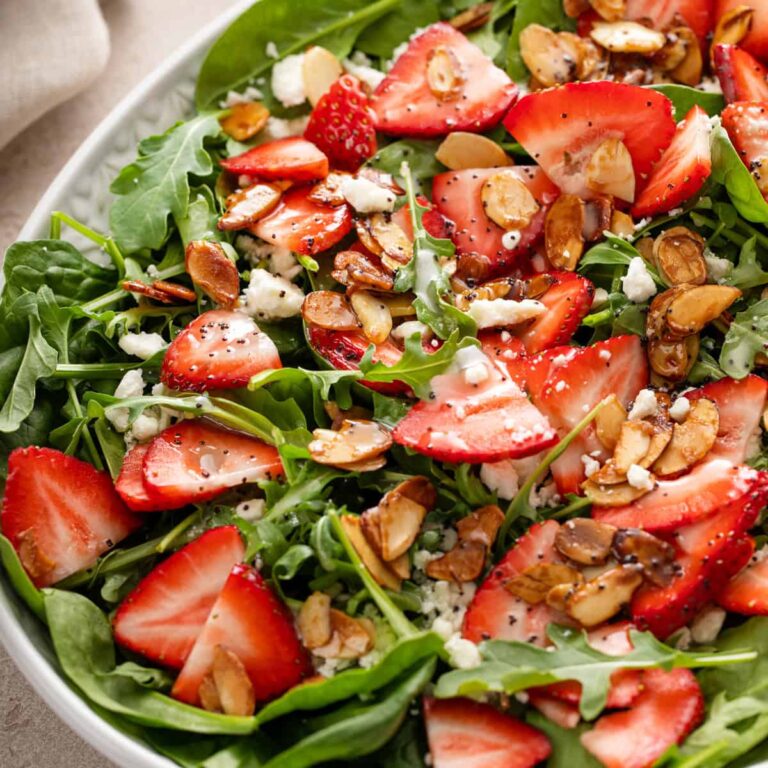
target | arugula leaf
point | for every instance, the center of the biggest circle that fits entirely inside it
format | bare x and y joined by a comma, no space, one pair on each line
420,156
240,56
705,369
615,251
684,98
201,217
156,184
20,580
746,337
748,273
380,39
567,749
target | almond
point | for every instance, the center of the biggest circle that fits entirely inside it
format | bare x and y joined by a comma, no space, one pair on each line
213,272
444,75
610,170
232,683
460,150
533,584
585,541
564,232
245,120
314,620
247,206
330,310
320,70
507,201
604,596
355,441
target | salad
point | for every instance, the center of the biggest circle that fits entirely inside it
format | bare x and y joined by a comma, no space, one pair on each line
412,411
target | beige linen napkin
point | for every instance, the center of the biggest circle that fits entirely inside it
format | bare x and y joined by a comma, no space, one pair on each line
51,50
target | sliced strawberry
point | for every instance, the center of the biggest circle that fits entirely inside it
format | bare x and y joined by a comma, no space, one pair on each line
463,733
220,349
130,482
742,77
756,40
495,613
669,708
699,15
562,127
457,195
507,353
193,461
405,105
563,713
251,622
433,221
684,167
164,614
60,513
342,124
487,421
706,489
740,405
293,158
747,592
302,225
747,127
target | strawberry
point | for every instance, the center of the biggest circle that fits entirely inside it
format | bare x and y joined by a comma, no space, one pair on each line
495,613
507,353
194,461
756,40
463,733
250,621
699,15
473,94
684,167
562,127
740,404
747,592
60,513
220,349
433,221
342,124
293,158
747,127
130,482
700,493
163,615
742,77
486,421
669,708
302,225
457,195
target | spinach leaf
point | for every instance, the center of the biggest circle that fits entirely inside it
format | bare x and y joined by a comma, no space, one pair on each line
746,337
240,54
567,750
381,38
684,98
156,184
20,580
34,430
748,273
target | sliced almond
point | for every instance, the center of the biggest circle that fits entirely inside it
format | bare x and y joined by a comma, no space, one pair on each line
361,270
689,70
691,440
399,304
245,120
375,565
622,224
609,475
465,562
645,247
634,442
696,307
388,239
374,316
337,415
585,541
366,465
533,584
314,620
246,207
679,255
160,290
401,566
564,232
507,201
627,37
328,191
444,76
604,596
669,359
209,695
330,310
460,150
400,520
597,217
618,495
497,289
656,320
418,489
482,525
473,18
610,10
662,434
557,597
610,170
732,27
213,271
355,441
592,63
608,422
633,546
234,687
551,58
672,54
320,70
351,639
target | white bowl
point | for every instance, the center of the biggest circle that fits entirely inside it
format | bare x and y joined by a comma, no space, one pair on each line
82,189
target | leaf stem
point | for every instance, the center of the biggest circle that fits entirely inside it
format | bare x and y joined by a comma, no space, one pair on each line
112,297
96,370
105,243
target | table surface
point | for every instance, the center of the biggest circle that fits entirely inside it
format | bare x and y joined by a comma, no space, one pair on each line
143,33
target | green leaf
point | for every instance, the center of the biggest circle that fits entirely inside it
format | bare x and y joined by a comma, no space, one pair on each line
615,251
201,217
746,337
381,38
156,185
240,56
684,98
567,750
420,156
748,273
20,580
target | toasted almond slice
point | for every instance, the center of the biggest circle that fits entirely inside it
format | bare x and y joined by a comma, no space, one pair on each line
232,683
374,316
399,304
627,37
557,597
174,290
564,232
401,566
507,201
634,443
612,495
603,597
209,695
249,205
400,520
212,271
657,557
370,524
353,637
679,255
673,54
691,440
367,465
355,441
645,247
337,415
389,240
551,59
533,584
622,224
656,320
697,306
375,565
585,541
328,191
418,489
597,217
593,62
160,290
610,10
329,309
381,178
732,27
245,120
465,562
609,475
444,76
610,170
320,70
361,270
669,359
460,150
690,69
608,422
497,289
482,525
314,620
473,18
662,434
36,563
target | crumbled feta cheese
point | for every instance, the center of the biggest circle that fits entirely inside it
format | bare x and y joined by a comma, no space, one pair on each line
370,659
476,373
396,54
270,297
600,298
463,654
545,496
707,625
501,478
590,465
675,212
359,66
409,328
271,50
511,239
365,196
710,85
143,345
147,425
288,81
281,261
233,98
251,509
643,223
639,477
638,285
645,405
279,128
491,313
717,268
604,354
680,408
131,385
442,627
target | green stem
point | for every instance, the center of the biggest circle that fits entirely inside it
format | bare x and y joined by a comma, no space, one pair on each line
598,318
572,508
106,243
717,226
55,228
90,371
753,232
93,451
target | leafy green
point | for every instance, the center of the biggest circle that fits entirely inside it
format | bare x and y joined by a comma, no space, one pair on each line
23,585
420,156
684,98
747,336
381,38
200,220
615,251
156,185
34,430
748,273
567,749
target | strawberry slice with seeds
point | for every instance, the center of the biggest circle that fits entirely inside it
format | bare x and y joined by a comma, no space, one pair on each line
163,615
663,14
457,195
194,461
495,613
756,39
742,77
463,733
342,124
562,127
293,158
682,170
220,349
130,482
250,621
302,225
747,127
60,513
669,708
747,592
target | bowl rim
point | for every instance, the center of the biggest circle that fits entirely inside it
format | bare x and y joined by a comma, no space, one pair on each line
52,688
